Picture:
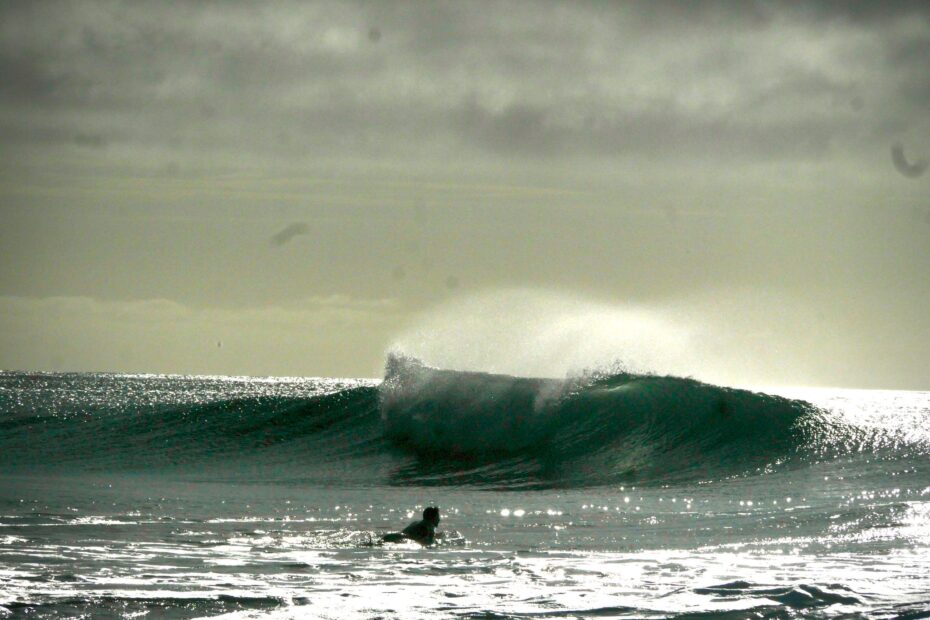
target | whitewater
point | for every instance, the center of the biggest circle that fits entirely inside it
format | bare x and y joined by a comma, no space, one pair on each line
606,494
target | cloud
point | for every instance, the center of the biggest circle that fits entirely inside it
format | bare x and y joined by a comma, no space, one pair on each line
361,80
289,232
862,12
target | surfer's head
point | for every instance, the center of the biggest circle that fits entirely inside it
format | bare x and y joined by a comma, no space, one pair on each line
431,515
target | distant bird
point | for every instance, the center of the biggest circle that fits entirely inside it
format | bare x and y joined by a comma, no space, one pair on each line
289,232
912,171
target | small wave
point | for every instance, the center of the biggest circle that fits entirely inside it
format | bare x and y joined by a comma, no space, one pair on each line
182,606
800,596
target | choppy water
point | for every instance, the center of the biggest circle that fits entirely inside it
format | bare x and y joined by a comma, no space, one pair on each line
605,496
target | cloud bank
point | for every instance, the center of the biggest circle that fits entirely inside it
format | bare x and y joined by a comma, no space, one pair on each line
757,80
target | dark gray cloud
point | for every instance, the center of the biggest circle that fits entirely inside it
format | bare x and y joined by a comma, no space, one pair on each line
663,131
863,12
750,80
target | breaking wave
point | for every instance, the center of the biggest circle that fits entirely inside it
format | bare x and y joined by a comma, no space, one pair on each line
427,426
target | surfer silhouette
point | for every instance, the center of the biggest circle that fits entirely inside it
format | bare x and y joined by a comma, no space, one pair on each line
423,531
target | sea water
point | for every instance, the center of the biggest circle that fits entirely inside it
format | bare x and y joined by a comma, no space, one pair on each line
607,495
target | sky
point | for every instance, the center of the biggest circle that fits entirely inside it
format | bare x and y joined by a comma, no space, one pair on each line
731,191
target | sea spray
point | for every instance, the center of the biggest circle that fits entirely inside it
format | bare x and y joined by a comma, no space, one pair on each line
745,337
539,333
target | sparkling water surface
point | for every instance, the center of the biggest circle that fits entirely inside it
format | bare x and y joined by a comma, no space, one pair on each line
846,534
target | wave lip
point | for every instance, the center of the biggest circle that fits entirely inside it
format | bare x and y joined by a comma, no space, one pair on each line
489,428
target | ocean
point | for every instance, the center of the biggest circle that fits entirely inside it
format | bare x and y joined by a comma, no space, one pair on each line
609,494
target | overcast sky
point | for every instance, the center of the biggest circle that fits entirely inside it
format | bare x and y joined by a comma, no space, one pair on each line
732,191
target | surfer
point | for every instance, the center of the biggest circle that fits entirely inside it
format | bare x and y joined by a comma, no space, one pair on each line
423,531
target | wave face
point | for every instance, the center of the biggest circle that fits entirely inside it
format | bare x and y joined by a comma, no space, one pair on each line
421,426
468,426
